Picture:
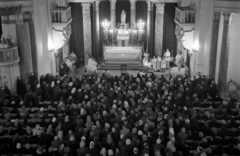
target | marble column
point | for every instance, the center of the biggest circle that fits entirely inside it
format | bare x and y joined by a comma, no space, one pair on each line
213,55
225,47
149,26
42,29
87,34
113,13
97,30
133,14
159,28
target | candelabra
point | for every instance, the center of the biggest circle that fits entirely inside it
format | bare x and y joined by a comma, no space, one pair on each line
106,26
140,27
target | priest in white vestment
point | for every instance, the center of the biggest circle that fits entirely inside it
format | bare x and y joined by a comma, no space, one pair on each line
91,65
167,56
163,65
154,63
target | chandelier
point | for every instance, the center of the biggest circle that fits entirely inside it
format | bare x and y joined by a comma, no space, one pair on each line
105,25
140,25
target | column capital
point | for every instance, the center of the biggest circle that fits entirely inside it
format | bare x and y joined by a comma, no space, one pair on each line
217,15
150,5
86,5
228,18
133,4
160,8
97,5
113,4
132,1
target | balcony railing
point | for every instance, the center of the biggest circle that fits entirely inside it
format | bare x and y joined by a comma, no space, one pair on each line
61,15
184,15
9,55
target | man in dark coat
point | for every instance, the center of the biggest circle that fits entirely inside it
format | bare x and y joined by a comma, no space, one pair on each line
21,89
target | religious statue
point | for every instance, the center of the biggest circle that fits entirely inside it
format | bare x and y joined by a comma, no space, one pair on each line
123,17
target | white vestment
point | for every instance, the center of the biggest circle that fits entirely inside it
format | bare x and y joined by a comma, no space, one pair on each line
163,64
92,65
158,63
154,63
167,55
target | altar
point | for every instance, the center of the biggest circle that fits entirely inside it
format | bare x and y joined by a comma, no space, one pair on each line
122,53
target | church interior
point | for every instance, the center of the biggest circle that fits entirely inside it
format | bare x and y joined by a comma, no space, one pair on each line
119,77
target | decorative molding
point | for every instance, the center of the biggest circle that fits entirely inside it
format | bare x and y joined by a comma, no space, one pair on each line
149,5
160,8
217,15
97,5
228,18
113,4
132,4
86,6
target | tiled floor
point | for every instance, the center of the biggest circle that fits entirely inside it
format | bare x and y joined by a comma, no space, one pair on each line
81,70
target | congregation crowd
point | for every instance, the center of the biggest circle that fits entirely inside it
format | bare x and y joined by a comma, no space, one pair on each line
103,115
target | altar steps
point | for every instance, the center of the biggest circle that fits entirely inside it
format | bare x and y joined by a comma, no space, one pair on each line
116,65
114,62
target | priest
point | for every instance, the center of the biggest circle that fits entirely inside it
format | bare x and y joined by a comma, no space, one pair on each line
167,56
154,63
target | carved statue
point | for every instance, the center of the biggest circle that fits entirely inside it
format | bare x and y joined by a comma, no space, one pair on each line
123,17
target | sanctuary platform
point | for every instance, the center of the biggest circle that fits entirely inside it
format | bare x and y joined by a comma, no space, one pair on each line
115,56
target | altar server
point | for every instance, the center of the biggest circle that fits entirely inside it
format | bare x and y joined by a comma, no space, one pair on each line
167,56
163,65
154,63
158,64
